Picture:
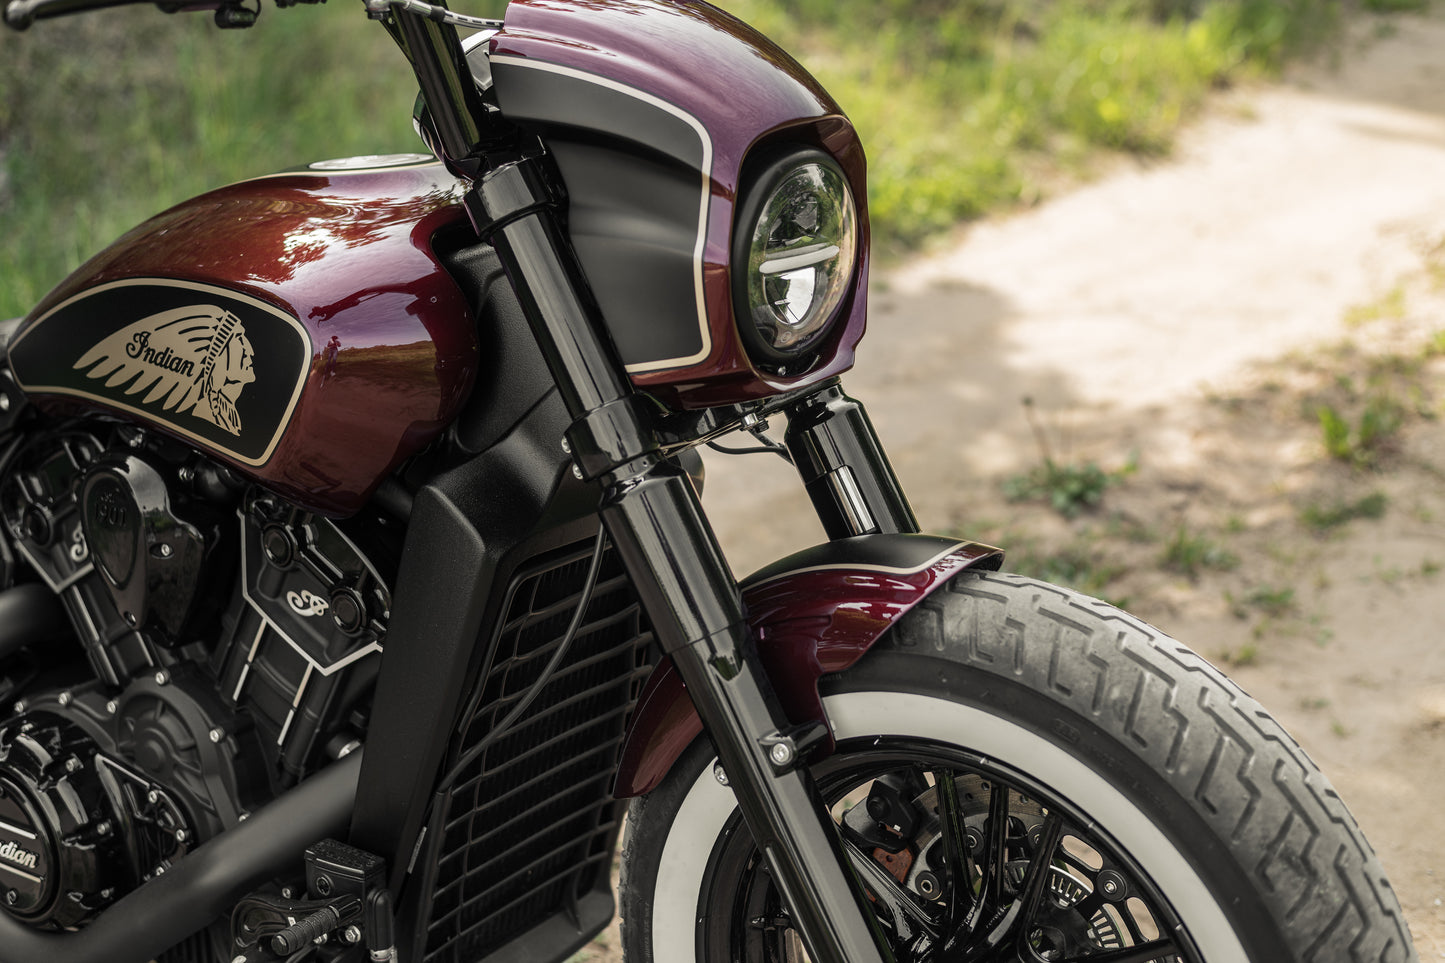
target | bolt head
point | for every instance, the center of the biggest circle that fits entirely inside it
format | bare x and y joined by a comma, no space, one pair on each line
63,698
20,707
111,706
4,402
577,472
182,835
12,897
781,753
566,447
352,934
719,773
73,764
162,677
217,734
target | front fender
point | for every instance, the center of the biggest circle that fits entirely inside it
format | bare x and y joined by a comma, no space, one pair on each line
811,614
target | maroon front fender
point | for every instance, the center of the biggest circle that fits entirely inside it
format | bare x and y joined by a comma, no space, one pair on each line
813,613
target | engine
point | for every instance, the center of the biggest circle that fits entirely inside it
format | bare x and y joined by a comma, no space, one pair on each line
216,645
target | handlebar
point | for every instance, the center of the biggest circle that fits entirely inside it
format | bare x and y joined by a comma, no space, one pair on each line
20,14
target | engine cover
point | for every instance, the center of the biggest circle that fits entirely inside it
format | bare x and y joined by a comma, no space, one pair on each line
61,855
149,558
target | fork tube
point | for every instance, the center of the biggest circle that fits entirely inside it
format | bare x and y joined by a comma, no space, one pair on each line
652,513
844,468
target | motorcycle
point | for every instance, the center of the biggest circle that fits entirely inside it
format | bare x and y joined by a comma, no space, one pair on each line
356,583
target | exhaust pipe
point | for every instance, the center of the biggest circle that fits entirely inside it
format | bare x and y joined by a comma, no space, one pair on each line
204,885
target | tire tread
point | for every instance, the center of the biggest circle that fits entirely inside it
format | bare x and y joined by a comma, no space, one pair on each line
1219,749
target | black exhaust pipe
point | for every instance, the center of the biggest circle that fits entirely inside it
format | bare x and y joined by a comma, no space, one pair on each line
204,885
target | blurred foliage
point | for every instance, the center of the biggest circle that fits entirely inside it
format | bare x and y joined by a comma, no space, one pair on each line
108,117
956,100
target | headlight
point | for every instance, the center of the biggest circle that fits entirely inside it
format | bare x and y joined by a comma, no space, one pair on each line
793,254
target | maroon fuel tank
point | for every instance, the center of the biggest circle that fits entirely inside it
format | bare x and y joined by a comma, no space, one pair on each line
297,326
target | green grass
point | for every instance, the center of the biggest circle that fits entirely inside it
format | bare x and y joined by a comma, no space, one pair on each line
1325,517
1363,441
109,117
1190,553
1067,488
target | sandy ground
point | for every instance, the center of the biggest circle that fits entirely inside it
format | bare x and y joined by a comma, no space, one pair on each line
1194,313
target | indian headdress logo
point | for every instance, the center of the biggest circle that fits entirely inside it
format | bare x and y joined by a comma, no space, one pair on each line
193,359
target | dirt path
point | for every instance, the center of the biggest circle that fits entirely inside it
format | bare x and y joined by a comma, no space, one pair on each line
1179,311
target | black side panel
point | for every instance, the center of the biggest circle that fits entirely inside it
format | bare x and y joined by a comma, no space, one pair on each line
636,176
516,375
467,528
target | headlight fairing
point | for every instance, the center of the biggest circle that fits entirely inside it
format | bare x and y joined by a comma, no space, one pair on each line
795,245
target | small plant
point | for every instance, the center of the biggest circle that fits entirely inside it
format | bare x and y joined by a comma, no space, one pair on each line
1067,488
1361,444
1189,554
1077,567
1246,654
1323,518
1273,602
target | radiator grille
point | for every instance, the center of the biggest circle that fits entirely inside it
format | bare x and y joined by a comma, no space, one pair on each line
529,825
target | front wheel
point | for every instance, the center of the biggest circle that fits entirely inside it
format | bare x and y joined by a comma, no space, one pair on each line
1025,774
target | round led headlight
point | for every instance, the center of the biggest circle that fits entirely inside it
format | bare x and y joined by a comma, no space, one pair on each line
793,256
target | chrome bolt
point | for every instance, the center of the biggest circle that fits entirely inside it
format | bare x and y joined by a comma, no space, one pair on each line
12,897
153,797
577,472
752,421
104,828
719,773
111,706
285,892
239,959
566,447
20,707
243,816
781,753
73,764
63,698
164,550
217,734
928,885
160,871
186,473
352,934
162,677
4,402
182,835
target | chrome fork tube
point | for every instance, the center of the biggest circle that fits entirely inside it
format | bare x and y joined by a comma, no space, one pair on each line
843,467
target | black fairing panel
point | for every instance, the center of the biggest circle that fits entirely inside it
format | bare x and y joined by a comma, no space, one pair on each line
637,185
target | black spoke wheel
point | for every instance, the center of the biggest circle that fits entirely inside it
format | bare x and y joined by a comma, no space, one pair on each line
1025,775
991,868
